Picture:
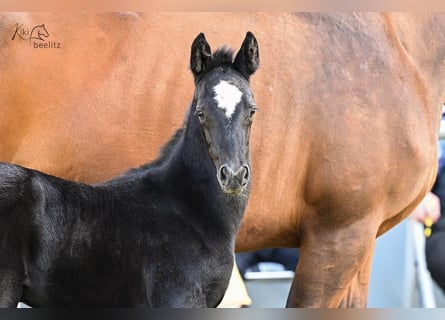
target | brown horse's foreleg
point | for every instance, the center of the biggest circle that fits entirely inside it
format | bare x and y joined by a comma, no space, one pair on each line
333,266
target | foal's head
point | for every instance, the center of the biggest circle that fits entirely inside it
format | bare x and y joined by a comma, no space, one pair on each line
224,107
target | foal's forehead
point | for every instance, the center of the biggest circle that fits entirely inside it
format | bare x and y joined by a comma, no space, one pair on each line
228,92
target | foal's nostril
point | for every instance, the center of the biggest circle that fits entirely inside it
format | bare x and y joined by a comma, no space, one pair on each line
223,173
246,175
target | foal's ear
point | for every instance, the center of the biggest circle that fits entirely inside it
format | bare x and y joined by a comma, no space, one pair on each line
248,58
201,55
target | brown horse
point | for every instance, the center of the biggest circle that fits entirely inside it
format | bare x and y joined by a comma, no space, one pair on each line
351,117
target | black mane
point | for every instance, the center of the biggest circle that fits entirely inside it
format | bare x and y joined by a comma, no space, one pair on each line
222,56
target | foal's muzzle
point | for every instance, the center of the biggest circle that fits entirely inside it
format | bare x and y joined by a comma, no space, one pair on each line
233,181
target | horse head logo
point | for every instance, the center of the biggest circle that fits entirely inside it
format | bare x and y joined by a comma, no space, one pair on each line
39,33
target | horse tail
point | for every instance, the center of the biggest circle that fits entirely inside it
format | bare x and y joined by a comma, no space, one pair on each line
13,182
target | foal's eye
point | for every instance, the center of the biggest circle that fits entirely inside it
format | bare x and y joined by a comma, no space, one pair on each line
252,111
200,115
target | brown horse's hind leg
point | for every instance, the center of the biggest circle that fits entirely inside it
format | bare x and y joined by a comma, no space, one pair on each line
357,294
333,266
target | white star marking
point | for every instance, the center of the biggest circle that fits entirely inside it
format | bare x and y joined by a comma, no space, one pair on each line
227,96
